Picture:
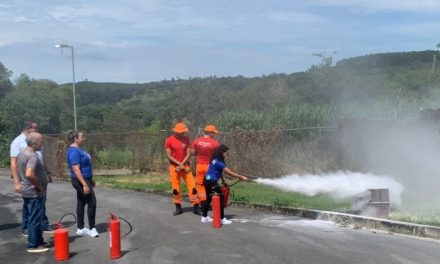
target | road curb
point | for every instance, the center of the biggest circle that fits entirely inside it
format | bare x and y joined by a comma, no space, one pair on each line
350,220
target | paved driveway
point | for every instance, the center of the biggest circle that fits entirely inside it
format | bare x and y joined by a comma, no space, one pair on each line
160,237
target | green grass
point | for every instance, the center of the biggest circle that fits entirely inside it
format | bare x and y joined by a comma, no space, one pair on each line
430,216
112,158
132,182
261,194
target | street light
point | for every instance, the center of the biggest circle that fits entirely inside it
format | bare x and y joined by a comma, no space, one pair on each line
61,46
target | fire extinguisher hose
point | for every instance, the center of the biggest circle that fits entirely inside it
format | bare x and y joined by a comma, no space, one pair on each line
252,178
112,216
61,224
129,225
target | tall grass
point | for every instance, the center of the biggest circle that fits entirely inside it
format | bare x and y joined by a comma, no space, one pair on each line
291,116
386,108
113,158
311,115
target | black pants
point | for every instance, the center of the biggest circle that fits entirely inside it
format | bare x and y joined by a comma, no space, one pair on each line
212,188
81,201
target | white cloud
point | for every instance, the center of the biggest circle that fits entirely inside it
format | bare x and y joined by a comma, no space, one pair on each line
418,29
191,37
118,44
427,6
17,36
15,19
295,17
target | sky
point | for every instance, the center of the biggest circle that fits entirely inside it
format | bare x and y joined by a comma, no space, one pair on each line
138,41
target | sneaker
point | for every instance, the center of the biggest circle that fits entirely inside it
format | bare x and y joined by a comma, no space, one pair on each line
82,232
207,219
197,210
93,232
39,249
44,244
48,230
24,233
226,221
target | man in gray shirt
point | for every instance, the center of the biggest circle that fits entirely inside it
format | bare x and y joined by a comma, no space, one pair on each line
18,144
33,185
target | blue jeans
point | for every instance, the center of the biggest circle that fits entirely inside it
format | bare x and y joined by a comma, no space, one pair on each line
24,217
44,219
34,207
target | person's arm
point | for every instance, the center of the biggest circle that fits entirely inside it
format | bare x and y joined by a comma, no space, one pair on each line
48,174
49,177
170,158
223,180
14,173
79,176
46,170
234,174
193,148
30,174
188,155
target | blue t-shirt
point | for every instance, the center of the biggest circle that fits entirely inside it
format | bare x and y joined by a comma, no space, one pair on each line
215,170
77,156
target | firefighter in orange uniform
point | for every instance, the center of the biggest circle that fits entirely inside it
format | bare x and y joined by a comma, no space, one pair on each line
178,151
203,148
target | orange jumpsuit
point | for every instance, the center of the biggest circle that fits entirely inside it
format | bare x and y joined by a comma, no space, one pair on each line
203,147
178,147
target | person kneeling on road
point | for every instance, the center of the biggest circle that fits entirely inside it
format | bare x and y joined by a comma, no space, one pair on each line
215,171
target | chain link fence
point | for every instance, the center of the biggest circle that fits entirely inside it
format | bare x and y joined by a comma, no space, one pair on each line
268,154
379,146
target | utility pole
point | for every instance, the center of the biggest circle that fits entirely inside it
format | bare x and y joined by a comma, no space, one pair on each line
61,46
434,60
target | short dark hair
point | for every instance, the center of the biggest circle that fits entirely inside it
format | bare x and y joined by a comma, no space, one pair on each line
28,124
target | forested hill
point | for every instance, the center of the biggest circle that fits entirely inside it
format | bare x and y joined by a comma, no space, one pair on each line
390,85
385,60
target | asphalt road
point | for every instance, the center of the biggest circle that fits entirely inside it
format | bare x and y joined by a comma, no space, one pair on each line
160,237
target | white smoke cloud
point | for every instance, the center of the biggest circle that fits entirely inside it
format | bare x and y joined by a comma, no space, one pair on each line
338,184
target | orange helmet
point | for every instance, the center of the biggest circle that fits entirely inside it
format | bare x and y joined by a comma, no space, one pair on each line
211,128
180,128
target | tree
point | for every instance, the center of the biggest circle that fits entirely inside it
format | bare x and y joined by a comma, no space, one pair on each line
32,99
5,82
434,59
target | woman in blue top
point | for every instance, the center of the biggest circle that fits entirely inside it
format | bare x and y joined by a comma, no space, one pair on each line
214,173
82,180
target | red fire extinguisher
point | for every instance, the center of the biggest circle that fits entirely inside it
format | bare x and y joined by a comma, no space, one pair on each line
114,226
225,191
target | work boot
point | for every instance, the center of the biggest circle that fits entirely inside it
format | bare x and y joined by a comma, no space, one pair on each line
178,210
197,210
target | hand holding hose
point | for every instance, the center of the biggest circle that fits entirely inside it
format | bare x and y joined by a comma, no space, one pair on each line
244,178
